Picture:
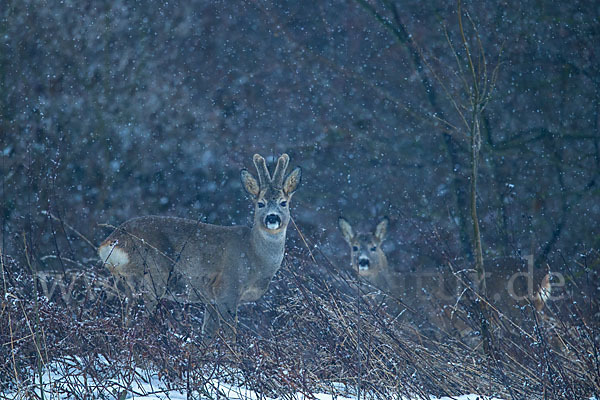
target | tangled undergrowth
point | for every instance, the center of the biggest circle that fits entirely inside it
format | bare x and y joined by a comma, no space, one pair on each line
310,333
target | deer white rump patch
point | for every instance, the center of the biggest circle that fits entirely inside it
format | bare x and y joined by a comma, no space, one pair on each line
113,255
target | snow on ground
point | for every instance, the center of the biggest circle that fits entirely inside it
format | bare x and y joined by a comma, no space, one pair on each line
59,377
155,391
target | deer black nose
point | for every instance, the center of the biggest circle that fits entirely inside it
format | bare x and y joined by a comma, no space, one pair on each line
363,262
272,221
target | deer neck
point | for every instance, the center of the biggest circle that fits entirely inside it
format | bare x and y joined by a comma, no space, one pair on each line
382,266
268,247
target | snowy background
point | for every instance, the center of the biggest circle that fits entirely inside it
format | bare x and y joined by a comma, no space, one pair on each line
115,109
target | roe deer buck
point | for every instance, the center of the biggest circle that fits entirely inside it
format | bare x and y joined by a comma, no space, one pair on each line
511,282
220,266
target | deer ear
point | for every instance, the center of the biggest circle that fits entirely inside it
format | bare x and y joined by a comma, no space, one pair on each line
292,181
346,229
250,183
381,229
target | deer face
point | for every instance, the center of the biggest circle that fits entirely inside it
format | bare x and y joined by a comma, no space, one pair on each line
367,256
271,196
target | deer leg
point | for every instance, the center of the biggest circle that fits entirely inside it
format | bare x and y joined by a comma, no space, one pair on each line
153,288
222,315
150,302
210,325
228,318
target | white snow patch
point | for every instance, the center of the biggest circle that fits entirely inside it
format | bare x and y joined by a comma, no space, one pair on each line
61,376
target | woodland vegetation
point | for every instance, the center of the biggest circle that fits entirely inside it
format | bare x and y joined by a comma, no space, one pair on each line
473,126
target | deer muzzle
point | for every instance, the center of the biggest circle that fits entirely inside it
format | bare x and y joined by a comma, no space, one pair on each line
363,263
272,221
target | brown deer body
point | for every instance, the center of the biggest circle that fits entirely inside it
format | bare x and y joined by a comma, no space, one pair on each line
193,262
511,282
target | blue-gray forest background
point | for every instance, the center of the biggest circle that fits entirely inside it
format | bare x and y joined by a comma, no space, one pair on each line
115,109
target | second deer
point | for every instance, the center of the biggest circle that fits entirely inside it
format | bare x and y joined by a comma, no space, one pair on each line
511,282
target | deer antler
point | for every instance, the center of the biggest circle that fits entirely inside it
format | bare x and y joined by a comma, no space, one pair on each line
264,178
279,174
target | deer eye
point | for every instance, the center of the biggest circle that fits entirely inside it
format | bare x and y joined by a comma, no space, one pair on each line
261,204
354,248
283,203
373,248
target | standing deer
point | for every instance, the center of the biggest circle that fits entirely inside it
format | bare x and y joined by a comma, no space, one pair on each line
511,282
193,262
